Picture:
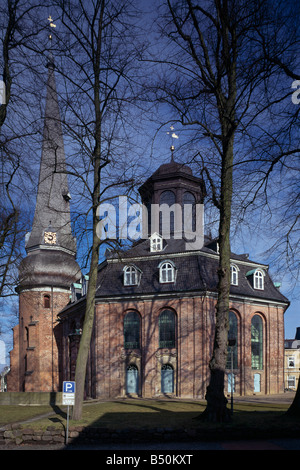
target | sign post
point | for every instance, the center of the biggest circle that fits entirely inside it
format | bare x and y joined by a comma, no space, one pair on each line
68,399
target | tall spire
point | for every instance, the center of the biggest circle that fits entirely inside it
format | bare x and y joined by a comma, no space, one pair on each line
52,212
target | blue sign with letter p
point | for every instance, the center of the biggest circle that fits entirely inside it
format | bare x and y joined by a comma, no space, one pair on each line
68,387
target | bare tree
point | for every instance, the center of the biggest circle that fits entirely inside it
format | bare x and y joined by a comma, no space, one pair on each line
97,60
222,83
19,30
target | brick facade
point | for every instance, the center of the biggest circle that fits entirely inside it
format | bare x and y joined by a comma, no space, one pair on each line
109,359
34,359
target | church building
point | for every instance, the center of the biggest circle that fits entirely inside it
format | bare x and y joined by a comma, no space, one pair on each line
155,302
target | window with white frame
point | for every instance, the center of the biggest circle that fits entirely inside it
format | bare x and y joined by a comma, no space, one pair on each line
291,361
156,242
291,381
167,272
234,279
131,275
258,279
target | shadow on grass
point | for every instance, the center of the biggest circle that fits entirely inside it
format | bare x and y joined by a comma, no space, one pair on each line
141,421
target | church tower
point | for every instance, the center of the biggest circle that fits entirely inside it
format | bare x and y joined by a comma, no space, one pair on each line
49,269
173,184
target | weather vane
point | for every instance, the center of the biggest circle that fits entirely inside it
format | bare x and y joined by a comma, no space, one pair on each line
52,25
173,136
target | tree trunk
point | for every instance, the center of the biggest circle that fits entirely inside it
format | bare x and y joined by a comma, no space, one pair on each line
84,347
216,410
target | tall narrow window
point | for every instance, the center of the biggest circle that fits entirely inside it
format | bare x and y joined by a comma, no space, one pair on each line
256,342
27,336
132,331
258,280
46,301
232,335
167,337
189,216
233,275
168,198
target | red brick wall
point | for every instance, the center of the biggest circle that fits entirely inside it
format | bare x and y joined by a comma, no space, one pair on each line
108,359
34,359
195,330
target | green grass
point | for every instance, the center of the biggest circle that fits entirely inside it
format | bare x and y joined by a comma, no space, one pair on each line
15,413
133,413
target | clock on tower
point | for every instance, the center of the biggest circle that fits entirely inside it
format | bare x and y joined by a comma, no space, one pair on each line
50,238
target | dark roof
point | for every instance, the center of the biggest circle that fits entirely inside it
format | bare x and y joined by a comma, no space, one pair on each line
196,271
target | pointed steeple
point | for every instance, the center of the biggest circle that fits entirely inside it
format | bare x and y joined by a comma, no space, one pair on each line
51,247
52,212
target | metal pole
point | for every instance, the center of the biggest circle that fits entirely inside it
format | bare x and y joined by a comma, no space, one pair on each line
67,433
231,379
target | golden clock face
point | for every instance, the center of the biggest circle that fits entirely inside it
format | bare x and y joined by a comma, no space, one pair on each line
50,238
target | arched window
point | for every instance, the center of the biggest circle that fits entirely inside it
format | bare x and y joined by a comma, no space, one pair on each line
167,272
132,331
256,342
167,379
132,379
131,276
46,301
189,216
168,198
258,279
167,324
232,335
234,275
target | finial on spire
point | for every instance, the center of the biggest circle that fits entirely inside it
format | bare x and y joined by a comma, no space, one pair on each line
52,25
173,136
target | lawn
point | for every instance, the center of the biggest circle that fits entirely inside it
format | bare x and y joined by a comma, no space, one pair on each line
139,413
15,413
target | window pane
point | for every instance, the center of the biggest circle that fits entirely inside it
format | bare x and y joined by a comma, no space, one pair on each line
258,280
234,275
167,273
232,334
132,331
189,198
130,276
256,342
167,329
167,197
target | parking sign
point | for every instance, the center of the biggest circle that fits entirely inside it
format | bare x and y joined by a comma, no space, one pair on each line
68,393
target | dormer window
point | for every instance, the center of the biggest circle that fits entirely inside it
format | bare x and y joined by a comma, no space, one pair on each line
132,275
156,242
234,276
167,272
258,279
